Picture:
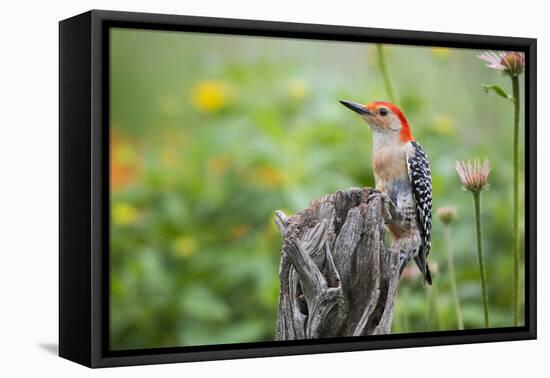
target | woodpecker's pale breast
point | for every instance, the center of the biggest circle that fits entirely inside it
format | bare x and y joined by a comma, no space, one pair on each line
392,178
389,161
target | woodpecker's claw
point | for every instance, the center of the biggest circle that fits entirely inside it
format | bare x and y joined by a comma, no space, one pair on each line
387,204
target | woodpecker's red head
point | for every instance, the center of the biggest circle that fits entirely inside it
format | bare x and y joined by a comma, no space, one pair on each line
383,117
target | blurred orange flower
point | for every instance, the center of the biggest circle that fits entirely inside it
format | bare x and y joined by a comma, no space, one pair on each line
269,176
218,164
125,162
239,231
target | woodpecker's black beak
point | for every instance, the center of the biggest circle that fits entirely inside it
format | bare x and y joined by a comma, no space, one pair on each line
357,108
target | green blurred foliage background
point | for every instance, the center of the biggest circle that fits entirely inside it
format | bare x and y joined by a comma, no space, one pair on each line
210,134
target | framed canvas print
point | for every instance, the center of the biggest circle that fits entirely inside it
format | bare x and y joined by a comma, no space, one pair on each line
234,188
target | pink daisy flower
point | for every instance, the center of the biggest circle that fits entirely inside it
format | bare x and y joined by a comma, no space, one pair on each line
509,62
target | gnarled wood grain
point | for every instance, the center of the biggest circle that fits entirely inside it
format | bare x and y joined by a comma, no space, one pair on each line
337,278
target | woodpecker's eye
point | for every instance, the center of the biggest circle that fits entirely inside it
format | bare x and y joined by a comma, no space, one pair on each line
383,112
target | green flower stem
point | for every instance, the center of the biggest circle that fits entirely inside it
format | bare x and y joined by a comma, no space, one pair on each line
385,73
477,208
515,99
433,307
450,263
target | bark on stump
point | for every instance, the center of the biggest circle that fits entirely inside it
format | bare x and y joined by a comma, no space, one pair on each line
337,278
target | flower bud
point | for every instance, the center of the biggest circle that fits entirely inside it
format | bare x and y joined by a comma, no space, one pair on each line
446,214
474,176
514,63
511,63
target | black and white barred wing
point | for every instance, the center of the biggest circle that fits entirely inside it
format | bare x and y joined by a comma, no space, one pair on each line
421,182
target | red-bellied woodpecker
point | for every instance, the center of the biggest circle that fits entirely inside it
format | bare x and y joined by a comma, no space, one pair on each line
403,179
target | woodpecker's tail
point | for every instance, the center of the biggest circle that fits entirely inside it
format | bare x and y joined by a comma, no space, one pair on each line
427,275
420,262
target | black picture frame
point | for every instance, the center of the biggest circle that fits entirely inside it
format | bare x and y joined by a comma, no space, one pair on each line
84,187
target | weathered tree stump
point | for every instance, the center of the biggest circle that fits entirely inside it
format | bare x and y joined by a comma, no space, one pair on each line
337,278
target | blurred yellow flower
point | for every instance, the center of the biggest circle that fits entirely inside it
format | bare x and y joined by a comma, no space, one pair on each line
298,89
210,95
185,246
239,231
441,52
124,214
218,164
126,154
269,176
443,124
